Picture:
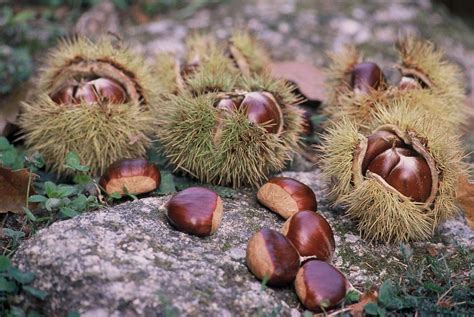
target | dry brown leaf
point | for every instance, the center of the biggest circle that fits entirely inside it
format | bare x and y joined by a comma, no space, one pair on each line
9,111
432,250
357,309
14,189
309,79
465,197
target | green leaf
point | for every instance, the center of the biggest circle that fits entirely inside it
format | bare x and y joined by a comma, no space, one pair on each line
371,309
50,189
35,292
29,214
4,144
37,199
22,277
52,203
7,286
433,287
167,185
115,195
66,190
82,179
14,234
5,263
224,192
352,296
73,314
68,212
23,16
16,312
34,313
74,162
79,203
386,293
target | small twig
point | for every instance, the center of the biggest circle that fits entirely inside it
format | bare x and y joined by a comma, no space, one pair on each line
337,312
444,295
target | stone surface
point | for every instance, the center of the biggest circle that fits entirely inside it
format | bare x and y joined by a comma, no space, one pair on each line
128,261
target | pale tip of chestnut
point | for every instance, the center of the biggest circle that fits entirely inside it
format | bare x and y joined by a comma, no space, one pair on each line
271,257
286,196
195,210
130,176
320,286
311,235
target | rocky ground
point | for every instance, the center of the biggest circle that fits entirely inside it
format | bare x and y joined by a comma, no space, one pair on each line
127,260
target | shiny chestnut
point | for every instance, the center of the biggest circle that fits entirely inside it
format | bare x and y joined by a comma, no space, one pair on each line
272,257
90,91
319,285
399,165
311,235
132,176
286,196
366,76
196,211
260,107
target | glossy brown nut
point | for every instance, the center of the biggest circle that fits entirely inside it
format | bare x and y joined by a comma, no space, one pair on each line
195,210
286,196
272,257
319,285
311,235
377,143
366,76
90,92
133,176
262,108
399,165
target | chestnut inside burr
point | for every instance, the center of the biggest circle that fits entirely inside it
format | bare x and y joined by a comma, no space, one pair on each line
90,90
366,76
260,108
398,164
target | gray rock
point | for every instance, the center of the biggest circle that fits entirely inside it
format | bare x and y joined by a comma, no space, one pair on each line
128,261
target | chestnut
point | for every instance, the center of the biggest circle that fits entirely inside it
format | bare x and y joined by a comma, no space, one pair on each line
195,210
272,257
399,165
319,285
132,176
90,91
286,196
311,235
260,107
366,76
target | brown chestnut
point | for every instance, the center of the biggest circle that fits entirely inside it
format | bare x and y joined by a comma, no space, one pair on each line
272,257
366,76
286,196
311,235
132,176
399,165
195,210
260,107
90,91
319,285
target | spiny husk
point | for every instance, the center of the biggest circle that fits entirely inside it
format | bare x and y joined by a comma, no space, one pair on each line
383,215
214,71
80,49
167,74
244,153
254,55
337,76
100,135
444,77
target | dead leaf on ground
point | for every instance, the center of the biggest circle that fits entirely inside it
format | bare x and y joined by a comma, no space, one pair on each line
10,109
465,197
13,190
357,309
432,250
309,79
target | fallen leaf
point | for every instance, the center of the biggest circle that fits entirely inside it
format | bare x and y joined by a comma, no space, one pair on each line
432,250
357,309
309,79
9,111
465,197
13,190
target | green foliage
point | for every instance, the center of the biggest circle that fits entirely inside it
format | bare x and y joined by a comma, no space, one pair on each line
13,283
428,286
